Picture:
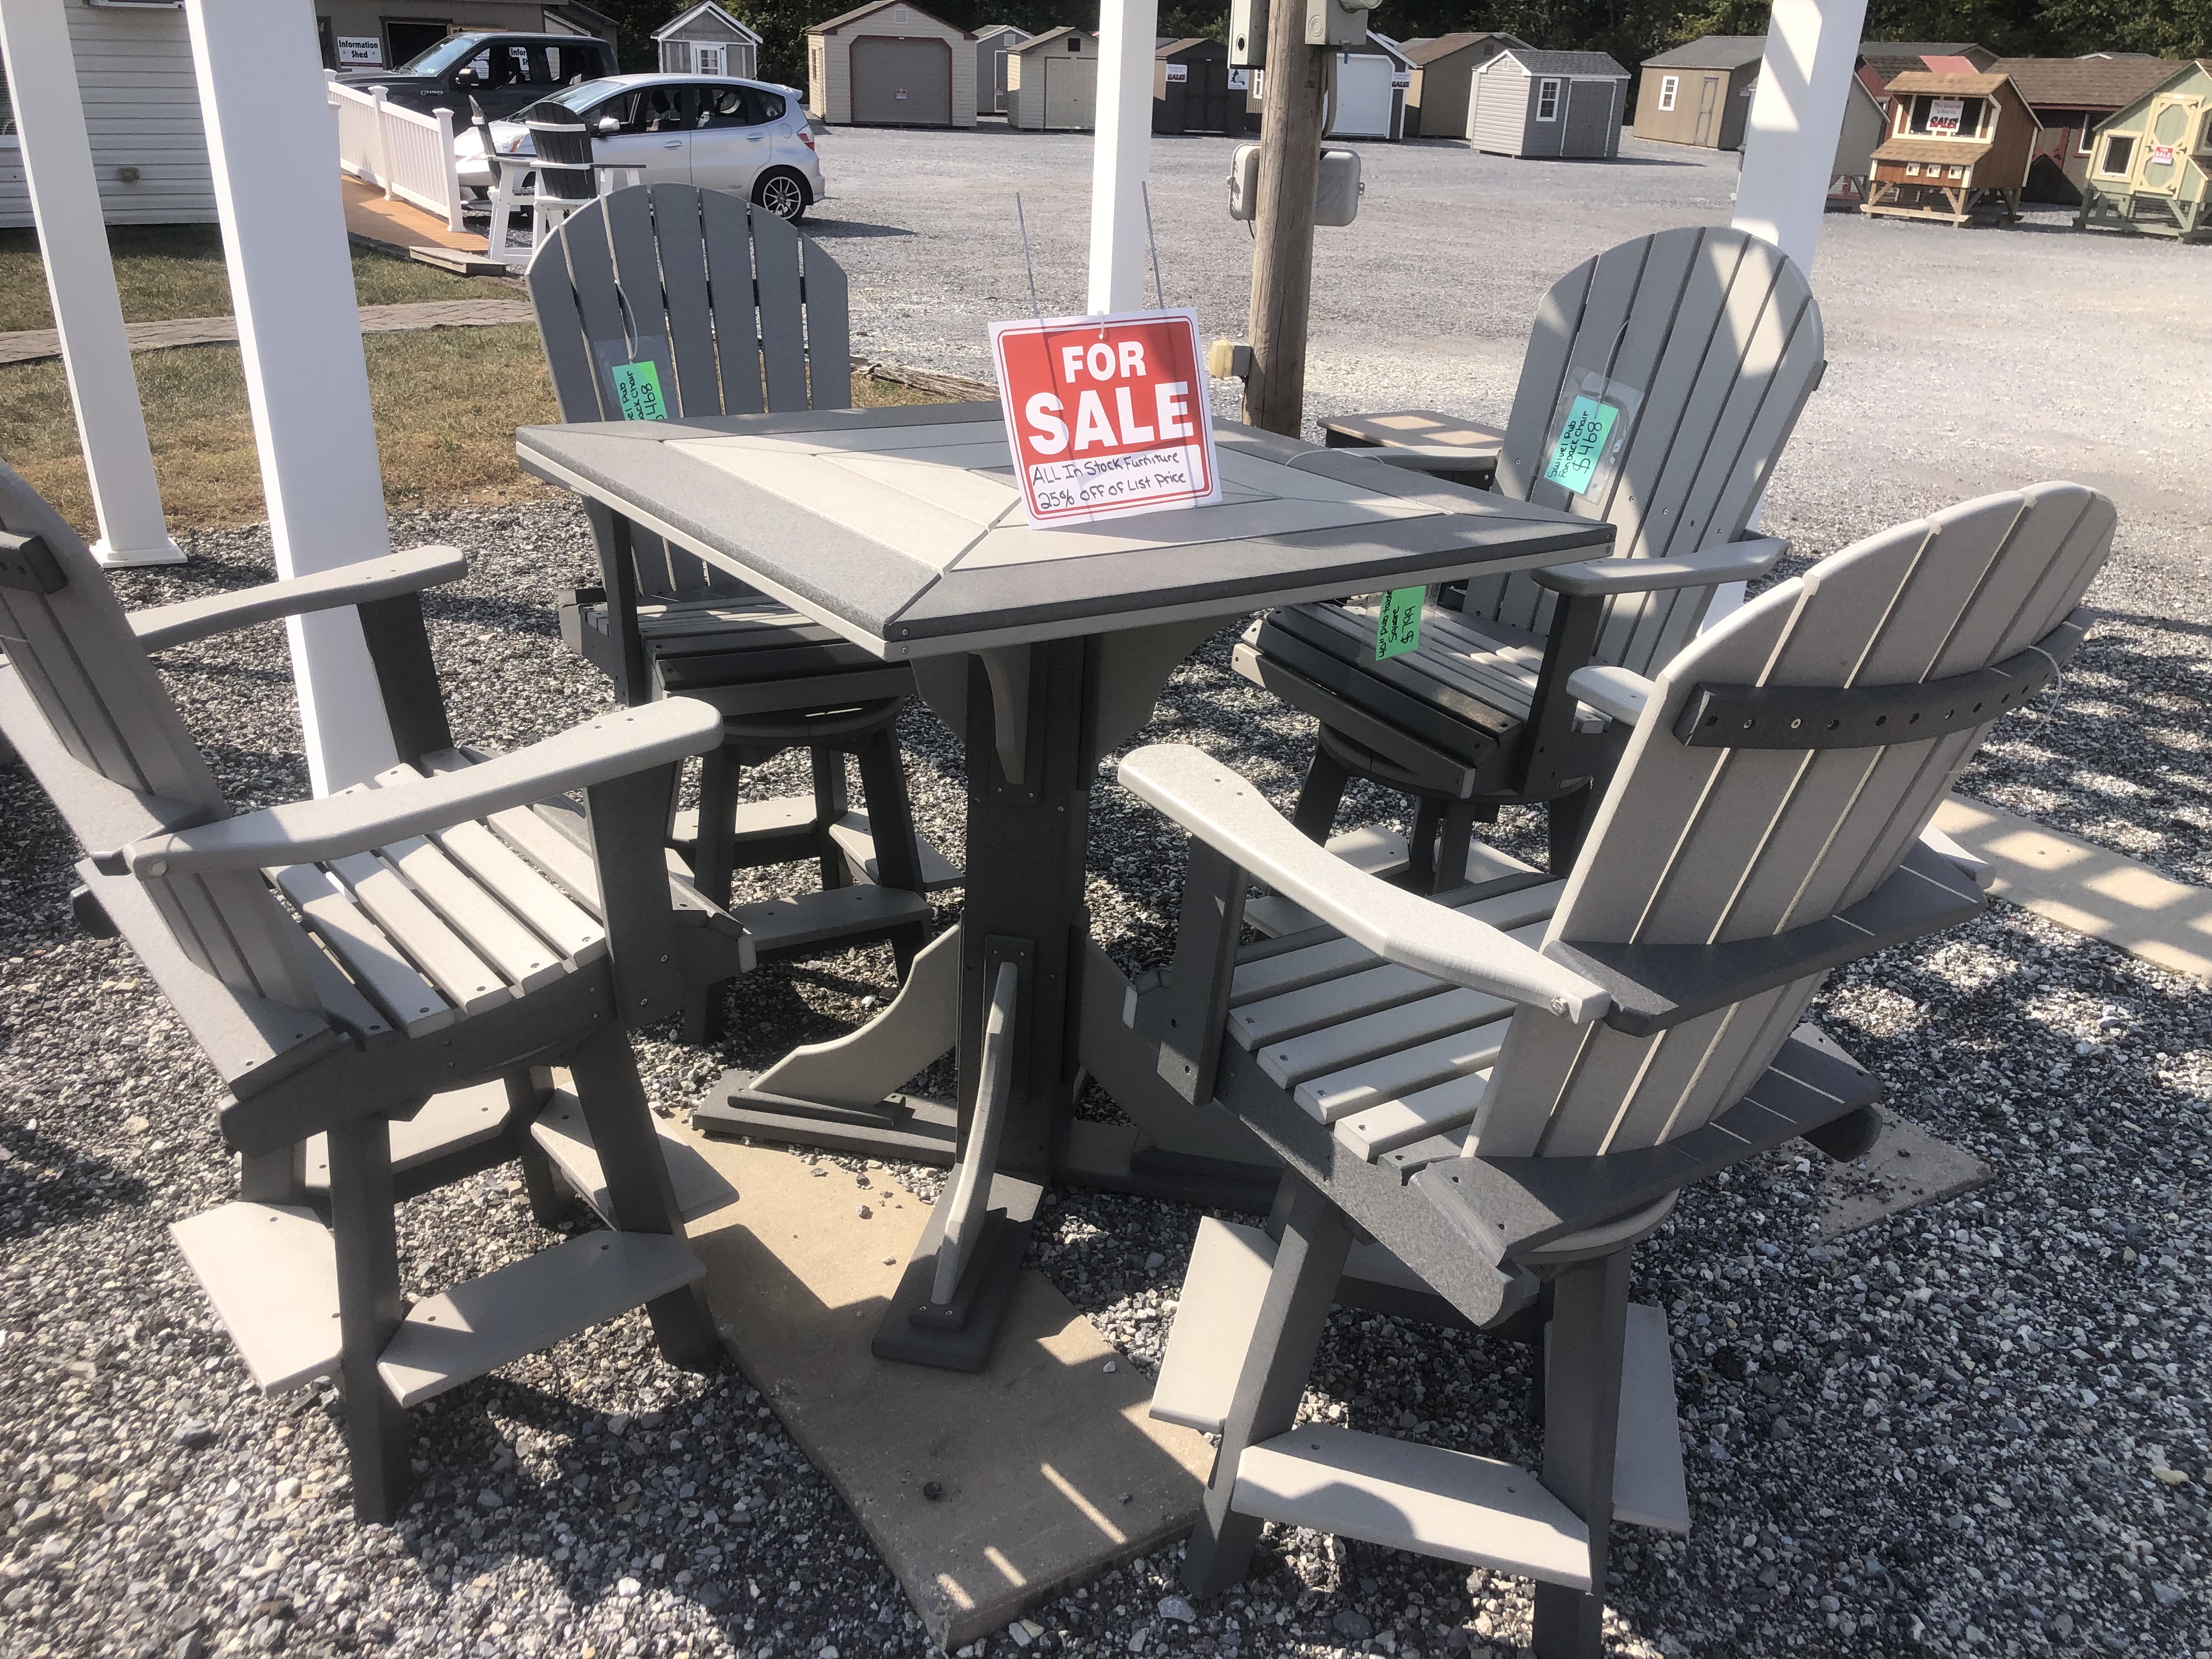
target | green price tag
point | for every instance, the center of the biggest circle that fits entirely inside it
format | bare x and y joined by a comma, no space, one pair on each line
1398,627
1581,445
637,391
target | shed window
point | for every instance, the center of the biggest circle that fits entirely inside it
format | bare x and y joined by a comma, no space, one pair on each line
1668,86
2119,151
1075,43
1547,101
1971,113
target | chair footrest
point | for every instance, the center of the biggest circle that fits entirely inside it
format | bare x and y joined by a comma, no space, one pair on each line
1215,1317
483,1324
561,1134
855,913
858,843
271,1271
1404,1495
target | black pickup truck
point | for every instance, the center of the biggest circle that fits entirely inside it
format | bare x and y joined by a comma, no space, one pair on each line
503,72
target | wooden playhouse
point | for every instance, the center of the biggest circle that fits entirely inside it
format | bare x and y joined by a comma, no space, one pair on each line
2152,172
1957,150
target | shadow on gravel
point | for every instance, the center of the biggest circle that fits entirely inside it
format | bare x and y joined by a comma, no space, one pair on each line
46,1182
852,228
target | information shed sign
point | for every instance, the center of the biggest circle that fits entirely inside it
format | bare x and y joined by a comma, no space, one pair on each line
1107,415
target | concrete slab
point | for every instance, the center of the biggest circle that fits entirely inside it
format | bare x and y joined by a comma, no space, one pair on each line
1905,1167
1049,1472
2089,888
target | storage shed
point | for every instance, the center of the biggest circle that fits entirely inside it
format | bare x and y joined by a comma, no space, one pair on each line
2072,97
1195,90
2153,168
1958,149
707,40
1443,81
1890,58
1370,84
1865,127
1052,83
890,64
993,43
1554,104
1699,93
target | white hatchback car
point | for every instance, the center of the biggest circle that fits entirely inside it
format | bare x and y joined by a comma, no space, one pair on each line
752,137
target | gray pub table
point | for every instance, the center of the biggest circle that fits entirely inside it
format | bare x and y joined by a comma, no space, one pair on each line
901,530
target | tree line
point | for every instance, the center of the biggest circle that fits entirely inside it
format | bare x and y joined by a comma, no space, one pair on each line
1630,30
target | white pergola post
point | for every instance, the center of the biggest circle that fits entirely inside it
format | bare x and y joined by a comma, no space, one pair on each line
56,154
1797,118
273,147
1120,154
1789,145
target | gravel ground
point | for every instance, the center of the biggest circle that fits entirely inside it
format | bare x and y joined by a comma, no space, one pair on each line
2006,1393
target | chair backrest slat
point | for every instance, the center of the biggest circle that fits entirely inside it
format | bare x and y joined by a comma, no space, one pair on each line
829,328
1701,845
75,654
783,344
1718,338
691,316
728,228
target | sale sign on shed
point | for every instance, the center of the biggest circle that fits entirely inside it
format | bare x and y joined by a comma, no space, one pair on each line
1107,415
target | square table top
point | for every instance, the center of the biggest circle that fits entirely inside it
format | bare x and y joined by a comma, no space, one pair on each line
901,528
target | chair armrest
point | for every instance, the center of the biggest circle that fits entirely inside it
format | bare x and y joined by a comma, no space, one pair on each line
1655,987
1433,458
612,746
1228,815
164,625
1619,692
1725,561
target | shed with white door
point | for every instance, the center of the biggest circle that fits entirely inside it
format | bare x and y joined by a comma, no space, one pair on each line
1552,104
889,64
708,40
995,44
1052,83
1367,86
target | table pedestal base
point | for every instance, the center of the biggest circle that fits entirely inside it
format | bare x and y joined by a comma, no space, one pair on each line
957,1335
909,1127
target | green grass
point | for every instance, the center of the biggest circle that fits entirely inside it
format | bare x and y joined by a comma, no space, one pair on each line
165,272
447,403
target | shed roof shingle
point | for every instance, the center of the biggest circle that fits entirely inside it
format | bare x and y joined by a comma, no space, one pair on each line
1967,86
2088,83
1714,51
1424,52
1595,64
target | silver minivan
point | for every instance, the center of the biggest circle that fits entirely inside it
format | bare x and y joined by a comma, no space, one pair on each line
749,137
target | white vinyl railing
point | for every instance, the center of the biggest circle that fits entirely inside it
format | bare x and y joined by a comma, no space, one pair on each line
404,154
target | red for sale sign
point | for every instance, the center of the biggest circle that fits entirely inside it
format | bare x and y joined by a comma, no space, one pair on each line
1106,414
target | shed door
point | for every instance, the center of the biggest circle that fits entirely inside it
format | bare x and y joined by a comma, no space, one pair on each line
1205,98
1589,107
902,82
2165,145
1363,97
1709,103
1071,93
999,80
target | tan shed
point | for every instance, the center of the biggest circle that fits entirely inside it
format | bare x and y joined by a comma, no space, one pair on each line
1958,149
890,64
1052,83
1443,81
1700,93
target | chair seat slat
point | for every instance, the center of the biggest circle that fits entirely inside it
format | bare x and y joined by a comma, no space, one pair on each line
470,983
378,966
1338,957
1371,1082
1368,1134
1333,1048
525,960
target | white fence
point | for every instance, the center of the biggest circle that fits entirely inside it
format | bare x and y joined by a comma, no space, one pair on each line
405,155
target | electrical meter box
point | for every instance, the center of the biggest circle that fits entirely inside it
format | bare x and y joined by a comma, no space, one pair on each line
1248,33
1338,22
1336,189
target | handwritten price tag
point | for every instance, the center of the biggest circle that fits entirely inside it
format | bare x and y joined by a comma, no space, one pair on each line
1581,447
1398,626
637,392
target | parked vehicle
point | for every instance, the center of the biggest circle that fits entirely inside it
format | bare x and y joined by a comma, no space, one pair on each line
746,137
503,72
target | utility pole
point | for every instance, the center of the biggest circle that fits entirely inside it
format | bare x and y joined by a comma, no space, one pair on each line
1292,100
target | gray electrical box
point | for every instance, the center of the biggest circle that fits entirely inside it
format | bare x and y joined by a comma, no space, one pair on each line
1336,189
1248,33
1337,22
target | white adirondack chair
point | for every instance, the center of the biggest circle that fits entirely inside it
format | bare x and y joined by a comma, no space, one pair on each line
1514,1083
383,979
1704,344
